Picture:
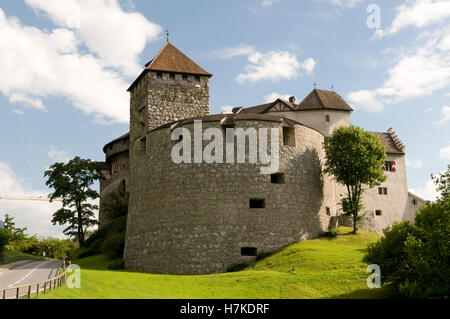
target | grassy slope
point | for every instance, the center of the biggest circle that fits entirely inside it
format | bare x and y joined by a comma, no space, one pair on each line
326,268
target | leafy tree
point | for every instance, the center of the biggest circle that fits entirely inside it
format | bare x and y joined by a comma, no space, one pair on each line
72,183
14,233
354,157
4,239
415,259
442,182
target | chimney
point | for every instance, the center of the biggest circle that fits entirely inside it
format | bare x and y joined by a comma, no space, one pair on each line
292,99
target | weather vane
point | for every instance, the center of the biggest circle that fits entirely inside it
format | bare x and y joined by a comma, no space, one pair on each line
167,34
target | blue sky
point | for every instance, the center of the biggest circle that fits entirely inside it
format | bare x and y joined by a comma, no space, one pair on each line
65,67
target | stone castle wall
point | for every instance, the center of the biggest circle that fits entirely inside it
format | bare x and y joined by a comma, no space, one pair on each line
195,218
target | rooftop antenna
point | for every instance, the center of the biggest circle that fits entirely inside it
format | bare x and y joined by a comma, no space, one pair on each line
167,34
315,84
332,88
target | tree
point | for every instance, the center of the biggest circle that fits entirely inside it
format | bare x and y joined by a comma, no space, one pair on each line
415,259
14,233
354,158
442,182
4,239
72,183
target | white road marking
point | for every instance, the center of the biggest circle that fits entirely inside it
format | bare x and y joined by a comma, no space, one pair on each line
27,275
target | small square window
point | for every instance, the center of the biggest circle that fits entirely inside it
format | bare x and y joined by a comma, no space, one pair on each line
328,211
327,118
378,213
277,178
185,77
288,136
385,190
380,190
257,203
159,75
197,78
249,251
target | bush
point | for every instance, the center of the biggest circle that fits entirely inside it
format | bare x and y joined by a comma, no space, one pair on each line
332,233
113,246
4,239
117,264
415,259
117,225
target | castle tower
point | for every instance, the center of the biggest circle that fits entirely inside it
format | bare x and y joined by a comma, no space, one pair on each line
172,87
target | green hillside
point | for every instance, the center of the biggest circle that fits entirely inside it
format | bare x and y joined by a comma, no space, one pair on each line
325,268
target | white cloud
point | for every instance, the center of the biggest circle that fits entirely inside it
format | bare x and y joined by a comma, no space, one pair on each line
228,53
58,155
365,100
35,215
227,109
445,115
308,65
273,66
418,14
19,112
269,3
426,191
419,72
273,96
429,110
444,153
414,164
341,3
116,36
35,64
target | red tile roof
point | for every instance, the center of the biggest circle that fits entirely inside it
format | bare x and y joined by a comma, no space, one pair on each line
323,99
170,59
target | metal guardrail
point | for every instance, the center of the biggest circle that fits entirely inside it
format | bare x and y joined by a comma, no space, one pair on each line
57,281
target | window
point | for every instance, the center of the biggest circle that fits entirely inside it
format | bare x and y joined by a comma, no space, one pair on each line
159,75
197,78
172,76
288,136
123,186
185,77
378,213
389,166
249,251
327,118
277,178
382,190
328,211
257,203
414,202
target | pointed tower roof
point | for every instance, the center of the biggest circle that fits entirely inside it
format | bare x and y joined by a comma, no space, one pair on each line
170,59
323,99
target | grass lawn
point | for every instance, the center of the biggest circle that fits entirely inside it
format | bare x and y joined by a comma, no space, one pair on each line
325,268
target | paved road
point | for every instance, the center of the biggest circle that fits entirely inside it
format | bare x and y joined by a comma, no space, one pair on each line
32,272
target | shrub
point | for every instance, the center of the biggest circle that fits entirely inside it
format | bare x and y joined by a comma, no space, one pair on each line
4,239
415,259
113,246
332,233
117,264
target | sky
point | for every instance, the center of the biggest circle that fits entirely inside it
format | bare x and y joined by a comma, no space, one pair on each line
65,67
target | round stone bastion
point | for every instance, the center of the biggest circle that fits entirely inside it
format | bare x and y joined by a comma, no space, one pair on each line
201,218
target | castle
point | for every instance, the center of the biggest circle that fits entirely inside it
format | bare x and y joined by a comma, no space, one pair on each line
197,218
